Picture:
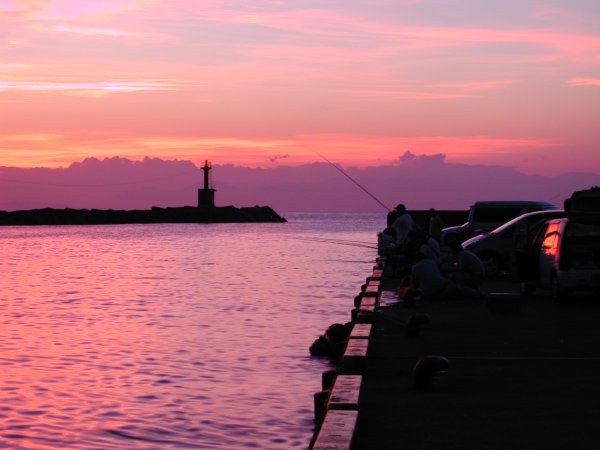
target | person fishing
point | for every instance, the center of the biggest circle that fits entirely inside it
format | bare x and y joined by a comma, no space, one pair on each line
402,225
386,241
435,225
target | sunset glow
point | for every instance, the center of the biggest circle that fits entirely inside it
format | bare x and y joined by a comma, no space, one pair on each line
268,82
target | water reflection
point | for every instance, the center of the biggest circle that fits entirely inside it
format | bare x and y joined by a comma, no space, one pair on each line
170,336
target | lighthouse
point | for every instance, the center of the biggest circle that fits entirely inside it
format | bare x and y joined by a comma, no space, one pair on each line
206,195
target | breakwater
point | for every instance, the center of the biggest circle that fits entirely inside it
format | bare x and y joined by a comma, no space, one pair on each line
186,214
337,404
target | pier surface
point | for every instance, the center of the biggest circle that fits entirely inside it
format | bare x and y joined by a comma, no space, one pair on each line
523,373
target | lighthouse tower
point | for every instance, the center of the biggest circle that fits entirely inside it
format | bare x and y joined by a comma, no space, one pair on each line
206,196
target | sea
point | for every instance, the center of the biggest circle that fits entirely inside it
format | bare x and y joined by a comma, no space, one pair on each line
172,336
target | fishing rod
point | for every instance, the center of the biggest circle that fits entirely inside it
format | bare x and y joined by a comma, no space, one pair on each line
346,175
326,241
338,240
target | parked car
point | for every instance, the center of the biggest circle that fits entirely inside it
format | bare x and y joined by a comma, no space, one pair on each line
496,249
564,257
487,215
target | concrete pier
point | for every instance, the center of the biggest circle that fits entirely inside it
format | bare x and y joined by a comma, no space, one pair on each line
520,373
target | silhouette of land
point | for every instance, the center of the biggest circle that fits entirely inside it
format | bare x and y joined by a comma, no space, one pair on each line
185,214
205,212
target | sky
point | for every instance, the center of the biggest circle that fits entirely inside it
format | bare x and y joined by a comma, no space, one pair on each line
267,83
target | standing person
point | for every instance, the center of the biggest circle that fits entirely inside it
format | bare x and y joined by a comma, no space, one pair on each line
402,225
391,217
435,225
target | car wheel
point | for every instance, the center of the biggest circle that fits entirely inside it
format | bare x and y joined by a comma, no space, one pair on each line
491,264
527,288
558,293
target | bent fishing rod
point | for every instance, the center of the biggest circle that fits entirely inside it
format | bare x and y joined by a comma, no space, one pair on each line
346,175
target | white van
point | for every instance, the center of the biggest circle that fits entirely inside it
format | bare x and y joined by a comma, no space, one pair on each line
487,215
565,255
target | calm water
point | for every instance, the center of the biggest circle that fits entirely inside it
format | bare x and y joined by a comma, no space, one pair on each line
171,336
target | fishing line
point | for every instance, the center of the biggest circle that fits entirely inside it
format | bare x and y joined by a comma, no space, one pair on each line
337,240
341,241
325,241
346,175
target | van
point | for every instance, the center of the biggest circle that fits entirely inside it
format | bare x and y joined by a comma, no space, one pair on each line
564,257
486,215
565,254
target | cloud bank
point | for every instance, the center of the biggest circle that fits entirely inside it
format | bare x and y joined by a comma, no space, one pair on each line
420,182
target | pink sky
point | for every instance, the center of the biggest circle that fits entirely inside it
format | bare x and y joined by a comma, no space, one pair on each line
263,83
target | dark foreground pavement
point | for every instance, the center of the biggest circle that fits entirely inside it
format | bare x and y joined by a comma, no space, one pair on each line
526,378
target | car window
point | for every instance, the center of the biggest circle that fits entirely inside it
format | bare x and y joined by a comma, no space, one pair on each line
550,243
543,232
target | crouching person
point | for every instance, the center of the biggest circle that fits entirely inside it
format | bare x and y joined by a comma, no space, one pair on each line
426,277
469,268
386,241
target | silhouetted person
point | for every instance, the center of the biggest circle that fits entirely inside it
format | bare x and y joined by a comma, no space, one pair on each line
431,250
427,278
386,241
435,225
391,217
402,225
469,268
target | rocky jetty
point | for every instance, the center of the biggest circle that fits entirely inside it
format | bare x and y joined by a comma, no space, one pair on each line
185,214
